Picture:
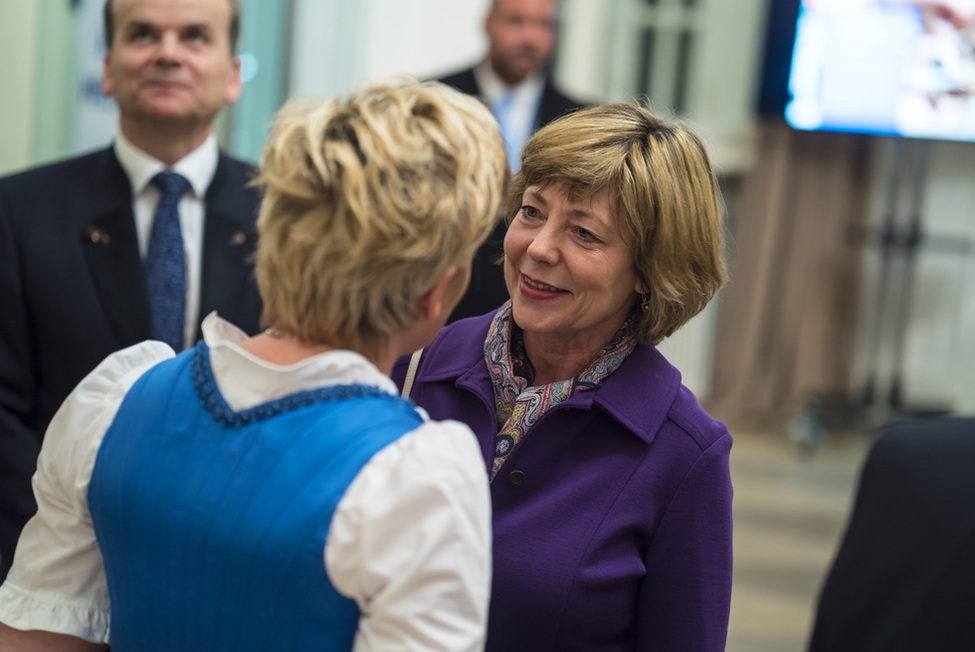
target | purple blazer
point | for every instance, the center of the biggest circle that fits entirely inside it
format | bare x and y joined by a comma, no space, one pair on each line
612,520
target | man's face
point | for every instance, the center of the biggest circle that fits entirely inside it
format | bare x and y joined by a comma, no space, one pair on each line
522,35
171,62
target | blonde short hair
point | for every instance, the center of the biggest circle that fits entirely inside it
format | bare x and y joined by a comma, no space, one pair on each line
663,193
368,202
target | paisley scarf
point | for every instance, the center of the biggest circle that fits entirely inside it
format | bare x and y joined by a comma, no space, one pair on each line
518,402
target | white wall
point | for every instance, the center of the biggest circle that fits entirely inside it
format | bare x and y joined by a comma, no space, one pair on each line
722,73
338,44
18,27
726,80
581,58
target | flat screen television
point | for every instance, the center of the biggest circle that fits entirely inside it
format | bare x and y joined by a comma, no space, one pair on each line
892,67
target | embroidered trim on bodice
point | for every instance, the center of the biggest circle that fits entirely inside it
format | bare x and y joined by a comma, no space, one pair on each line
215,405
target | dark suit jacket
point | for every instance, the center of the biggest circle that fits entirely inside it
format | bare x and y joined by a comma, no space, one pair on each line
72,291
487,290
553,104
904,577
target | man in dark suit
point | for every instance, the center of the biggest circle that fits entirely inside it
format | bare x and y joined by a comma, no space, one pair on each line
74,235
514,80
904,577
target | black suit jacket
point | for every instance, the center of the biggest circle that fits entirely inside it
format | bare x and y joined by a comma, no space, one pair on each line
72,291
904,577
487,290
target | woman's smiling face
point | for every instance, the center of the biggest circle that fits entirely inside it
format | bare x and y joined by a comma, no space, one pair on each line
568,269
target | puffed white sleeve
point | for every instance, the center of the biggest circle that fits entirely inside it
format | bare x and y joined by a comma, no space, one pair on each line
410,542
57,582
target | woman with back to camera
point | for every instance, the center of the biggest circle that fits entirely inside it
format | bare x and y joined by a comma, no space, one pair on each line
274,492
610,484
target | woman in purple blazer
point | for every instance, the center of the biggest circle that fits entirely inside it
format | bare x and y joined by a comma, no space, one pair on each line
610,484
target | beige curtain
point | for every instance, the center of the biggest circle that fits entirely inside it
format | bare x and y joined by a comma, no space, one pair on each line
787,320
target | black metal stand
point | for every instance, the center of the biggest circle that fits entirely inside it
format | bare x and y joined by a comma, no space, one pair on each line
898,238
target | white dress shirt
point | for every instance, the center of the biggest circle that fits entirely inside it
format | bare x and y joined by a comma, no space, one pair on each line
198,167
410,541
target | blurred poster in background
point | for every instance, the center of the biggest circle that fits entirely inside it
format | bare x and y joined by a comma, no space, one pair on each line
96,116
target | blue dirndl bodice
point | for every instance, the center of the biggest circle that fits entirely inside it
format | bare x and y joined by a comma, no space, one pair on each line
212,523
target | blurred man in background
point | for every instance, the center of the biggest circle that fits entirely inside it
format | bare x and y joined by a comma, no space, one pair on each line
515,81
140,240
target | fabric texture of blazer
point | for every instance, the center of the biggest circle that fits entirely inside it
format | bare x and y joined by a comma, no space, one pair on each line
487,289
72,291
904,577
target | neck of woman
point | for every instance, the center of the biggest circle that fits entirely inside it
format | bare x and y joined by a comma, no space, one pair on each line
554,360
281,348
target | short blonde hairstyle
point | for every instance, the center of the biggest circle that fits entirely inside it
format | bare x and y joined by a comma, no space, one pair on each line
368,202
663,194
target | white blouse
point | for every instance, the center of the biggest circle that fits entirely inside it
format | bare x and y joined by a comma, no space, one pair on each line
410,541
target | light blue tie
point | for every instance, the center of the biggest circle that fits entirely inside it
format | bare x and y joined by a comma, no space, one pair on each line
502,112
166,263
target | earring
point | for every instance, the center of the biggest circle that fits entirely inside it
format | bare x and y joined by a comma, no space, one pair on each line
645,302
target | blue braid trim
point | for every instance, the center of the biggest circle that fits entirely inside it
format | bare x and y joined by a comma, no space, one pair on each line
214,403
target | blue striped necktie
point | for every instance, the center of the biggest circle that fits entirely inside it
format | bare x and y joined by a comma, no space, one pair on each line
166,263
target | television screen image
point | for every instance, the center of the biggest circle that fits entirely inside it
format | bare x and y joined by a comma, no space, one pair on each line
893,67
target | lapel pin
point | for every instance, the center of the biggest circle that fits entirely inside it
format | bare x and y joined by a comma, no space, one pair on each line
238,238
97,236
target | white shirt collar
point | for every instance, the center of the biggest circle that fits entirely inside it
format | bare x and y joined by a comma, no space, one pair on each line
257,381
530,88
198,166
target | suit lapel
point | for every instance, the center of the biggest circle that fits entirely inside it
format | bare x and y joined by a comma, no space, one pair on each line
467,83
111,250
229,242
549,106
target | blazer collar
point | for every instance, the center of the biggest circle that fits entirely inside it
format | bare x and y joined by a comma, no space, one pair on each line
229,243
111,249
638,395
